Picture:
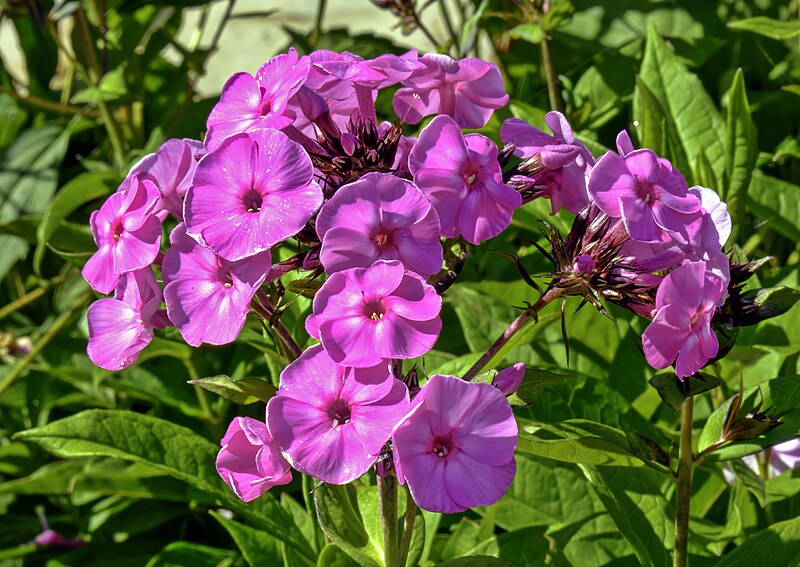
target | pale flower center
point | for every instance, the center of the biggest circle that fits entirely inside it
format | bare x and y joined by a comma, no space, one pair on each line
252,201
442,446
382,239
375,310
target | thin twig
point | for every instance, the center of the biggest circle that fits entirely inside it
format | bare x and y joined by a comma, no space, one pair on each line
449,25
264,308
31,296
549,68
317,31
39,102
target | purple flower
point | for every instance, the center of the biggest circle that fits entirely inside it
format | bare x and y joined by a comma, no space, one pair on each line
510,379
121,327
648,194
249,103
127,234
462,178
331,420
379,217
717,212
785,456
681,328
562,163
467,90
208,297
250,462
365,315
253,191
455,446
171,169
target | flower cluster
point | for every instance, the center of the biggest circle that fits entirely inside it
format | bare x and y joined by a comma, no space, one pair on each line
295,154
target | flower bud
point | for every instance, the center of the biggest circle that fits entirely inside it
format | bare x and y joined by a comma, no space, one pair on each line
510,379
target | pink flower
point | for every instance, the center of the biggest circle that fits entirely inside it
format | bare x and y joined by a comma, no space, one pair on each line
648,194
171,169
510,379
681,328
253,191
331,420
785,456
127,234
250,103
462,178
468,90
365,315
250,462
455,446
121,327
379,217
563,163
208,298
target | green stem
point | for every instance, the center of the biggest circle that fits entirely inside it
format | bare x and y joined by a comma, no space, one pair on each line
408,528
449,25
43,341
31,296
387,487
530,314
684,492
549,68
317,31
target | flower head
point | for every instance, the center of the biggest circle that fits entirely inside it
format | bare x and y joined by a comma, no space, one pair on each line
363,316
379,217
171,169
121,327
462,178
252,192
455,446
250,103
331,420
208,297
648,194
555,166
127,234
681,329
250,462
468,90
509,379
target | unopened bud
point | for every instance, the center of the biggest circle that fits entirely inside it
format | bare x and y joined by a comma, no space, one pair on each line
510,379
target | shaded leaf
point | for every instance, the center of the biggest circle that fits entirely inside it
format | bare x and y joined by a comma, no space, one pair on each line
243,391
742,149
257,547
779,544
674,391
339,517
775,29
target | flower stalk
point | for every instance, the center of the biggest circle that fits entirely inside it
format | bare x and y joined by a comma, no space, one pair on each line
684,494
387,488
408,528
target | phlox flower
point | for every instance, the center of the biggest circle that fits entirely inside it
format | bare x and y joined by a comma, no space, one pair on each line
249,103
171,169
648,194
467,90
785,456
331,420
509,379
379,217
681,332
363,316
253,191
462,178
121,327
250,462
127,234
564,161
455,446
207,297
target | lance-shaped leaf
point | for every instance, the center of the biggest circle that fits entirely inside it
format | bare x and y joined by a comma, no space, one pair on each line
768,27
674,391
742,149
243,391
779,542
340,518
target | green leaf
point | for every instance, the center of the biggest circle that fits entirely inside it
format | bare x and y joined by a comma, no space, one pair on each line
640,511
534,383
111,87
12,118
182,553
742,149
333,556
81,190
697,123
475,561
674,391
257,547
750,479
28,179
776,203
704,173
340,518
783,486
167,447
776,397
527,546
469,30
580,442
532,33
768,27
51,478
243,391
779,544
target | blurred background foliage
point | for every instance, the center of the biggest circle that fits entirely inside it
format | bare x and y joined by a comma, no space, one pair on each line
88,87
